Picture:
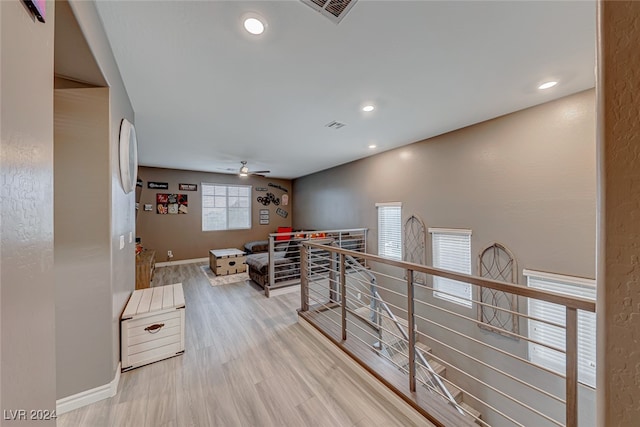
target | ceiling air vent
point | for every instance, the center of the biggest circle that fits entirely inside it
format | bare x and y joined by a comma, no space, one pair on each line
335,10
335,125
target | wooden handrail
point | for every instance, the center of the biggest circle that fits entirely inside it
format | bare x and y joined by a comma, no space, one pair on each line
552,297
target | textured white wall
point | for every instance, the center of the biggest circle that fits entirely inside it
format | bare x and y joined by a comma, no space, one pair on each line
26,213
619,214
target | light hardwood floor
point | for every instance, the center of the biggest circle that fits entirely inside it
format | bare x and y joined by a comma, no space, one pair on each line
247,363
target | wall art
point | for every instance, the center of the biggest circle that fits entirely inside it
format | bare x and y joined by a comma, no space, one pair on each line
172,204
158,185
261,189
267,199
279,187
497,262
188,187
282,212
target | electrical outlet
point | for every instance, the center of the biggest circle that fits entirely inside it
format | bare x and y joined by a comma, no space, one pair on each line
359,296
170,254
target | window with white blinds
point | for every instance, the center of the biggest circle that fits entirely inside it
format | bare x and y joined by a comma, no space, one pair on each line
390,230
226,207
554,335
451,249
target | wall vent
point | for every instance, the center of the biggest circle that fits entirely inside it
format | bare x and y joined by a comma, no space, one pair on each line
335,125
334,10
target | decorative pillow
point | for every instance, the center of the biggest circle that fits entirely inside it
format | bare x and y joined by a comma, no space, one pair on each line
284,230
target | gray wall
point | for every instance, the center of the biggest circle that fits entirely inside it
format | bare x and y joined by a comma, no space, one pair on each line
182,234
81,239
119,280
526,180
27,356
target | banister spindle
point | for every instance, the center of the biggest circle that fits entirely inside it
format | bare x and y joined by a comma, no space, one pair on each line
572,368
411,332
343,296
304,279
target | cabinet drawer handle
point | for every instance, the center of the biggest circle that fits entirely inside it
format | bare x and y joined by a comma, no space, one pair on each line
153,329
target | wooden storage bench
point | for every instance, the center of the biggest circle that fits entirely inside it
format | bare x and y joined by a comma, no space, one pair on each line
152,326
227,261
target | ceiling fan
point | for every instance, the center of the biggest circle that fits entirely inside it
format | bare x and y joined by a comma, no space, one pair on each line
244,170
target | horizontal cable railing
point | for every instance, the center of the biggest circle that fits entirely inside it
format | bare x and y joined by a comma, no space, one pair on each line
367,301
283,266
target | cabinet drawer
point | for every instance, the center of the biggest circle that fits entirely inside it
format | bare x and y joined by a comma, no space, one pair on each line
137,327
162,333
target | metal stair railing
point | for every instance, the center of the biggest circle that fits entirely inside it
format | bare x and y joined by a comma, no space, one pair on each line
376,301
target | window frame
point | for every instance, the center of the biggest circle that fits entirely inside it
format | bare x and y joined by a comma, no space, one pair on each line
587,351
204,185
395,252
442,286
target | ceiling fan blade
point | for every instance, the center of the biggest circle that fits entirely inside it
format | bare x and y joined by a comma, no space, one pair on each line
259,172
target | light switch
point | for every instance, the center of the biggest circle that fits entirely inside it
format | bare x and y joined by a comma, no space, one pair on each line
131,237
122,241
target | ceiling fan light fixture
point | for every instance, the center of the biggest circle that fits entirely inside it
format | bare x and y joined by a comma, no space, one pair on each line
368,108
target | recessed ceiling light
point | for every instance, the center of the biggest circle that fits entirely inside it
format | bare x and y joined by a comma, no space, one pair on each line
372,146
254,26
547,85
368,108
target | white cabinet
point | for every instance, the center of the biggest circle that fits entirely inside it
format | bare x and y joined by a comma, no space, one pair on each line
152,326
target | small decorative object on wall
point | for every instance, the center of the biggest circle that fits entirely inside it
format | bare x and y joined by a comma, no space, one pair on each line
148,207
498,262
268,199
128,156
279,187
285,199
37,7
282,212
261,189
188,187
264,216
171,204
415,238
158,185
139,183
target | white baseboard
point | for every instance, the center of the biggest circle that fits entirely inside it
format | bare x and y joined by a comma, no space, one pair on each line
367,377
87,397
182,261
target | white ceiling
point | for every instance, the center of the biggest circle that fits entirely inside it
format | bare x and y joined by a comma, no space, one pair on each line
207,94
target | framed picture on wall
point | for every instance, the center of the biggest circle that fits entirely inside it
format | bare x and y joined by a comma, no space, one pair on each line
172,204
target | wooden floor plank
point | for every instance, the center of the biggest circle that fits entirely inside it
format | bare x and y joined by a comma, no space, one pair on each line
247,362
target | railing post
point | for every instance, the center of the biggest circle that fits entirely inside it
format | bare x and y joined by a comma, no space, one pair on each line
333,279
272,274
411,333
572,368
304,278
343,297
